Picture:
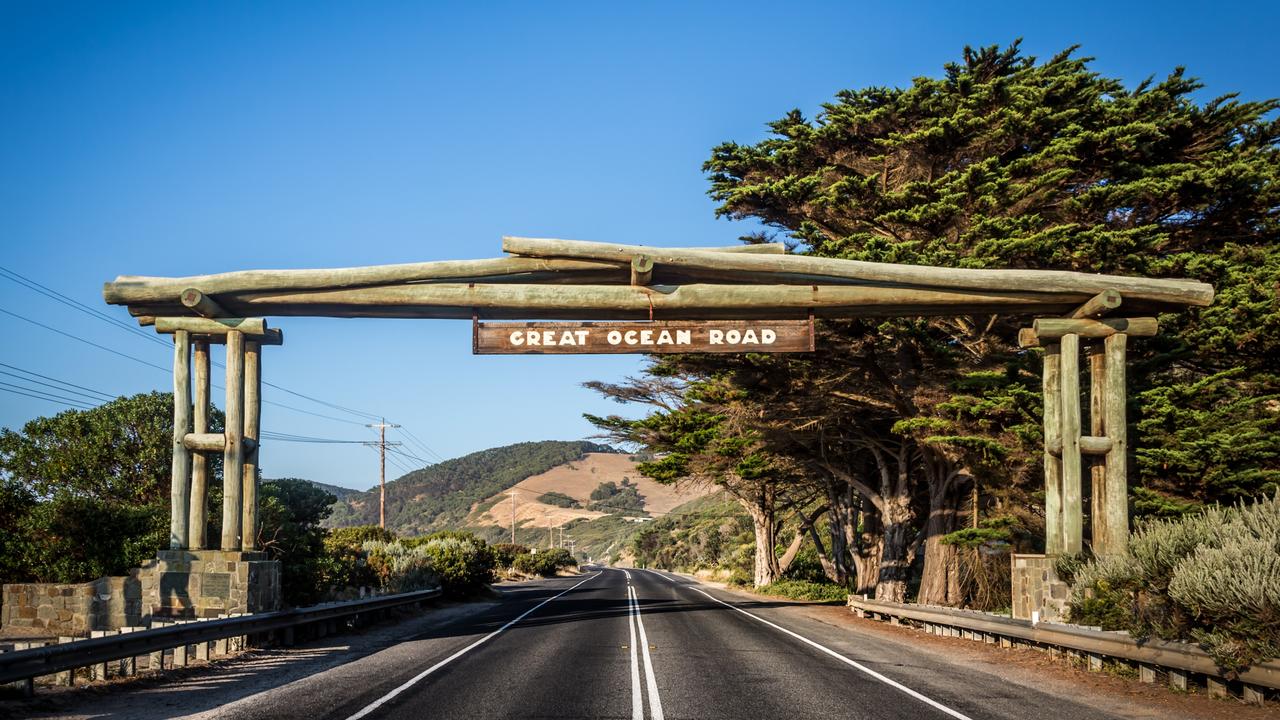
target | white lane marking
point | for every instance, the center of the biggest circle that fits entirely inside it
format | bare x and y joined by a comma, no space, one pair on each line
628,574
655,702
662,575
892,683
637,702
417,678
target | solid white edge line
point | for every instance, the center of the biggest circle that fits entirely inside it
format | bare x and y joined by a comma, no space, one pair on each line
417,678
892,683
655,702
637,702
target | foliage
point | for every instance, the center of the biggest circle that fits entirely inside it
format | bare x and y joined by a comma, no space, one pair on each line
441,495
612,497
806,590
85,493
545,562
463,562
1212,578
558,499
345,561
706,534
1001,161
504,554
401,568
289,514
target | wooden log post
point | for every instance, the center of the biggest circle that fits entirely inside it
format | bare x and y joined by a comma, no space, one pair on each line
252,419
180,479
1069,405
1052,437
641,270
1116,502
1097,463
197,526
201,304
1097,306
233,454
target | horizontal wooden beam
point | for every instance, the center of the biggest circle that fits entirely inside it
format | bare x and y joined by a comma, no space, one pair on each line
212,442
1098,305
212,326
133,289
201,304
1174,292
607,302
1089,445
1051,328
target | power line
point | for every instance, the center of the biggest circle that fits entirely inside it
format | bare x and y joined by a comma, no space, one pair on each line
163,369
99,315
72,303
42,395
86,342
109,396
421,444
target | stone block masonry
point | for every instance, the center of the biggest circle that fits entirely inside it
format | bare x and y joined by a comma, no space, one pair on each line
1036,588
178,584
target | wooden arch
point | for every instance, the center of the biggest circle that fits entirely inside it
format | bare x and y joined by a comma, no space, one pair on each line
543,279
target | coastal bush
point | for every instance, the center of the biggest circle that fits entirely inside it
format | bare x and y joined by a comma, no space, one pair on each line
1212,579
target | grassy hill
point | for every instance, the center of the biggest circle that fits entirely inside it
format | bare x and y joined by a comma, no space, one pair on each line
336,490
442,495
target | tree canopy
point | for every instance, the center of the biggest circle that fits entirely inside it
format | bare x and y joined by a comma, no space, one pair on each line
909,428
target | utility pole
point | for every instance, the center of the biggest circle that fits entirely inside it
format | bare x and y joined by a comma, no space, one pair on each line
513,515
382,469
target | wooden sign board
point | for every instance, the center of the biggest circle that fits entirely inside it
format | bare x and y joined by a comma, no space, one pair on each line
663,336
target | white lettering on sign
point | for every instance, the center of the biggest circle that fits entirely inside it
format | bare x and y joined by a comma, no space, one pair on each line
648,338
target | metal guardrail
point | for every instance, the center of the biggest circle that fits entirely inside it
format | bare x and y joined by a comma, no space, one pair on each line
50,659
1147,654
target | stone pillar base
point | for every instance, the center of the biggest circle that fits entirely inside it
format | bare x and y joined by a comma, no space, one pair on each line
1036,588
207,583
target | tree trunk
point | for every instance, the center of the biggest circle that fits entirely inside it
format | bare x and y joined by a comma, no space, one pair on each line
895,562
766,529
940,579
866,546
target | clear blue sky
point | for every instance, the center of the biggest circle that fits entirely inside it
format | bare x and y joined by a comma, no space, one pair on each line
186,138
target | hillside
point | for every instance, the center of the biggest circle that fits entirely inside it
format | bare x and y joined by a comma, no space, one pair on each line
442,495
578,480
336,490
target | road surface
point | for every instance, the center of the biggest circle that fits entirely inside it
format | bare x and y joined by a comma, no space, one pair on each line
615,643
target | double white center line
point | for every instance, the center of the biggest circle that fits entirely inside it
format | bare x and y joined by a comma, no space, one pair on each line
634,623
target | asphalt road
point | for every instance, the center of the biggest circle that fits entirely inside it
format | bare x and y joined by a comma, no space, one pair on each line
643,644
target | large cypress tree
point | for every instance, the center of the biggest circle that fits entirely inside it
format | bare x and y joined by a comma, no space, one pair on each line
1007,161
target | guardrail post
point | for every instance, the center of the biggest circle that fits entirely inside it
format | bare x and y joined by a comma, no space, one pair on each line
98,671
1095,662
26,687
1216,687
202,651
155,661
180,652
1178,679
129,665
1253,695
1146,673
66,677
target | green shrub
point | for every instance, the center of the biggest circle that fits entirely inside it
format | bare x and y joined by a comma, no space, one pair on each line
464,562
805,590
504,554
1212,578
345,562
401,568
558,499
545,562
